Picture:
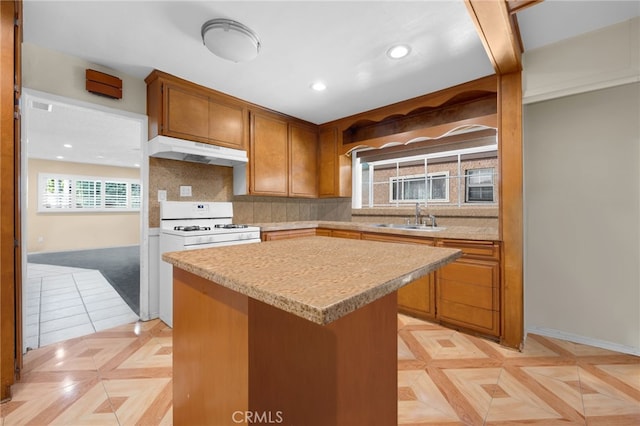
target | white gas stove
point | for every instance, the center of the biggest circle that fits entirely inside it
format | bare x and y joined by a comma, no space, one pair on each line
195,225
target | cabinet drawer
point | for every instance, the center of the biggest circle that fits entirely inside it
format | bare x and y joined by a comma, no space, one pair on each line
472,317
323,232
476,272
396,239
284,235
345,234
485,249
468,294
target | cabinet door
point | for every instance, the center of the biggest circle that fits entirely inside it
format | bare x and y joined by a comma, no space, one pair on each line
303,161
186,114
288,234
468,295
226,124
416,299
269,148
328,157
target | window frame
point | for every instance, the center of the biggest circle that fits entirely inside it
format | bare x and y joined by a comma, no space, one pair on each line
73,188
358,166
394,180
468,185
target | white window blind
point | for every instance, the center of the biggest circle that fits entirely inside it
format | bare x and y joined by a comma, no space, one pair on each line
414,188
69,193
480,185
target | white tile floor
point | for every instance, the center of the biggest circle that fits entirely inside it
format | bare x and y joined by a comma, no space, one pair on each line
63,303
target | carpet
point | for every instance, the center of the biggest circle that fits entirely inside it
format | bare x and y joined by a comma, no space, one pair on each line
119,265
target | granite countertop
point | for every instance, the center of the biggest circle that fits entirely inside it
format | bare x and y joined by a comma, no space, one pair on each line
450,232
320,279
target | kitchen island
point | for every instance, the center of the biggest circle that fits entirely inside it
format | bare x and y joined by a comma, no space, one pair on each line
298,331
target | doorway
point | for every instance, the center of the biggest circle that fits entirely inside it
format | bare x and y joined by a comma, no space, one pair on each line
84,218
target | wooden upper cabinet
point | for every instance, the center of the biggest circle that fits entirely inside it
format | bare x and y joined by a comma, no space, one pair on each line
186,114
283,157
303,161
269,155
334,171
226,124
184,110
327,160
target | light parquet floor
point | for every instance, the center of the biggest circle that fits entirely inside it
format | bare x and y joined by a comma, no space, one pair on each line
122,376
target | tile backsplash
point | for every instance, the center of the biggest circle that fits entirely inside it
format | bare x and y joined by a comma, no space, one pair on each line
215,183
248,209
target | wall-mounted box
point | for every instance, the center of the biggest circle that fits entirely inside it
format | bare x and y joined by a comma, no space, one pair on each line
103,84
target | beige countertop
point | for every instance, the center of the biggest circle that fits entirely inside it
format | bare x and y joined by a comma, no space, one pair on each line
320,279
449,232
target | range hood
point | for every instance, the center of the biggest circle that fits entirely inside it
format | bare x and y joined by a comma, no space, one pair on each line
196,152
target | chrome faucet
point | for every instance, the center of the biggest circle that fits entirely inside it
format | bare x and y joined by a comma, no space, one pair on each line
417,213
432,218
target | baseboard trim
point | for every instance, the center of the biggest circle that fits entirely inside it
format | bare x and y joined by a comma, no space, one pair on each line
584,340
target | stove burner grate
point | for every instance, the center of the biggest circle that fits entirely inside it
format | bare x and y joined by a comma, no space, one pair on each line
192,228
230,226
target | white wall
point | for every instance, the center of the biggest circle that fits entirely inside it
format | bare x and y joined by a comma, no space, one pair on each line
64,75
51,232
582,197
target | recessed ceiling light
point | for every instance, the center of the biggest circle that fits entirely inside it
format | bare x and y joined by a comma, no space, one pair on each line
59,157
398,52
318,86
68,145
100,156
136,165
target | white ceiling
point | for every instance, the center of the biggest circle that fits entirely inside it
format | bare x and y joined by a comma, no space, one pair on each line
342,43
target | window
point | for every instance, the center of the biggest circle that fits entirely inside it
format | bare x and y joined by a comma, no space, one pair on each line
455,171
480,183
83,193
413,187
88,194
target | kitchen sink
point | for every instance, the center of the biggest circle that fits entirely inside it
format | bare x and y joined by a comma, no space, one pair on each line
426,228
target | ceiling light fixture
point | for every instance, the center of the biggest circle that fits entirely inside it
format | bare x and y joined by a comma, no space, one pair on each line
398,52
318,86
68,145
230,40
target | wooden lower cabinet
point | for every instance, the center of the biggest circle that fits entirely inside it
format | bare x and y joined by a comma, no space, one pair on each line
468,290
323,232
287,234
464,294
339,233
418,298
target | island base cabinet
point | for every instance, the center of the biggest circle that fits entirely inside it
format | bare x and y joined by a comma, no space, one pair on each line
210,349
238,360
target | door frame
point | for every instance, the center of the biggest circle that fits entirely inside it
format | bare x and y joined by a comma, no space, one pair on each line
31,94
